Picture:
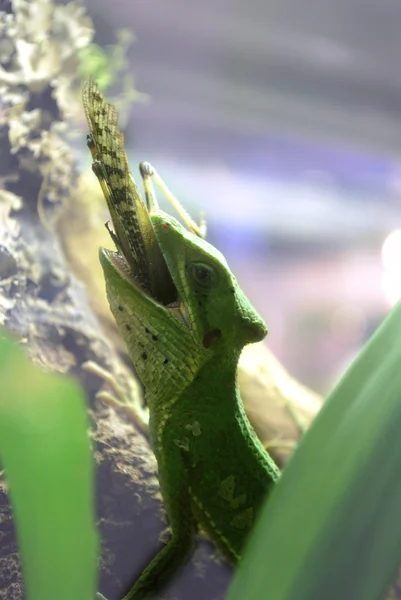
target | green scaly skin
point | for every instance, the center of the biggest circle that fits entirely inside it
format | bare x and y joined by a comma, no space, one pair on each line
213,470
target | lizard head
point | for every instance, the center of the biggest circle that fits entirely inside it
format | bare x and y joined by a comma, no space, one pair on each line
169,342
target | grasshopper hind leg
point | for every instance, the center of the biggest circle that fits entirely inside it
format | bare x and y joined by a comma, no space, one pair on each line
149,173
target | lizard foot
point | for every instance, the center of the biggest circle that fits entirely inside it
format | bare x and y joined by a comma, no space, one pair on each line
117,398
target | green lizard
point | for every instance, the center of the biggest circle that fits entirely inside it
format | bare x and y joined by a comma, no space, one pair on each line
213,470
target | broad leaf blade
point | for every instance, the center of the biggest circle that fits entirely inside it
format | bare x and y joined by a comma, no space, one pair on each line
45,451
332,527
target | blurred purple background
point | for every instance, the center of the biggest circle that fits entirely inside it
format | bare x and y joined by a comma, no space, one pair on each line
282,120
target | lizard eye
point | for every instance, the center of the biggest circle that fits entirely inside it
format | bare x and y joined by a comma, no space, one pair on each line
202,274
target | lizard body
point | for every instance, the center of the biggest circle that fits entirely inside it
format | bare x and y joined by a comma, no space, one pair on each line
213,470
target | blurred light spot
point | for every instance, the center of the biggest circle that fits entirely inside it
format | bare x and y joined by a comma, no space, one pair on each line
391,251
391,257
392,288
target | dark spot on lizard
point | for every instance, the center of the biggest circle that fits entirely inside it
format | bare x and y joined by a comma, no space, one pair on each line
144,356
154,338
165,361
120,308
147,330
128,328
211,337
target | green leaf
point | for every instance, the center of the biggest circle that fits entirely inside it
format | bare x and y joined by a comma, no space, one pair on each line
332,527
45,451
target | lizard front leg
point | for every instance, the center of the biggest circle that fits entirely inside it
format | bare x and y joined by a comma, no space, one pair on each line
132,403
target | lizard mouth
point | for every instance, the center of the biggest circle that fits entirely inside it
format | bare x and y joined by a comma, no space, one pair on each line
169,299
114,262
122,266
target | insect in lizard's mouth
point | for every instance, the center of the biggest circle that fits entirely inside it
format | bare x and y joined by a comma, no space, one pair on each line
139,258
170,299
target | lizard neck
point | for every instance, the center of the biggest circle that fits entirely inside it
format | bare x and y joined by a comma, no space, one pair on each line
216,381
213,388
